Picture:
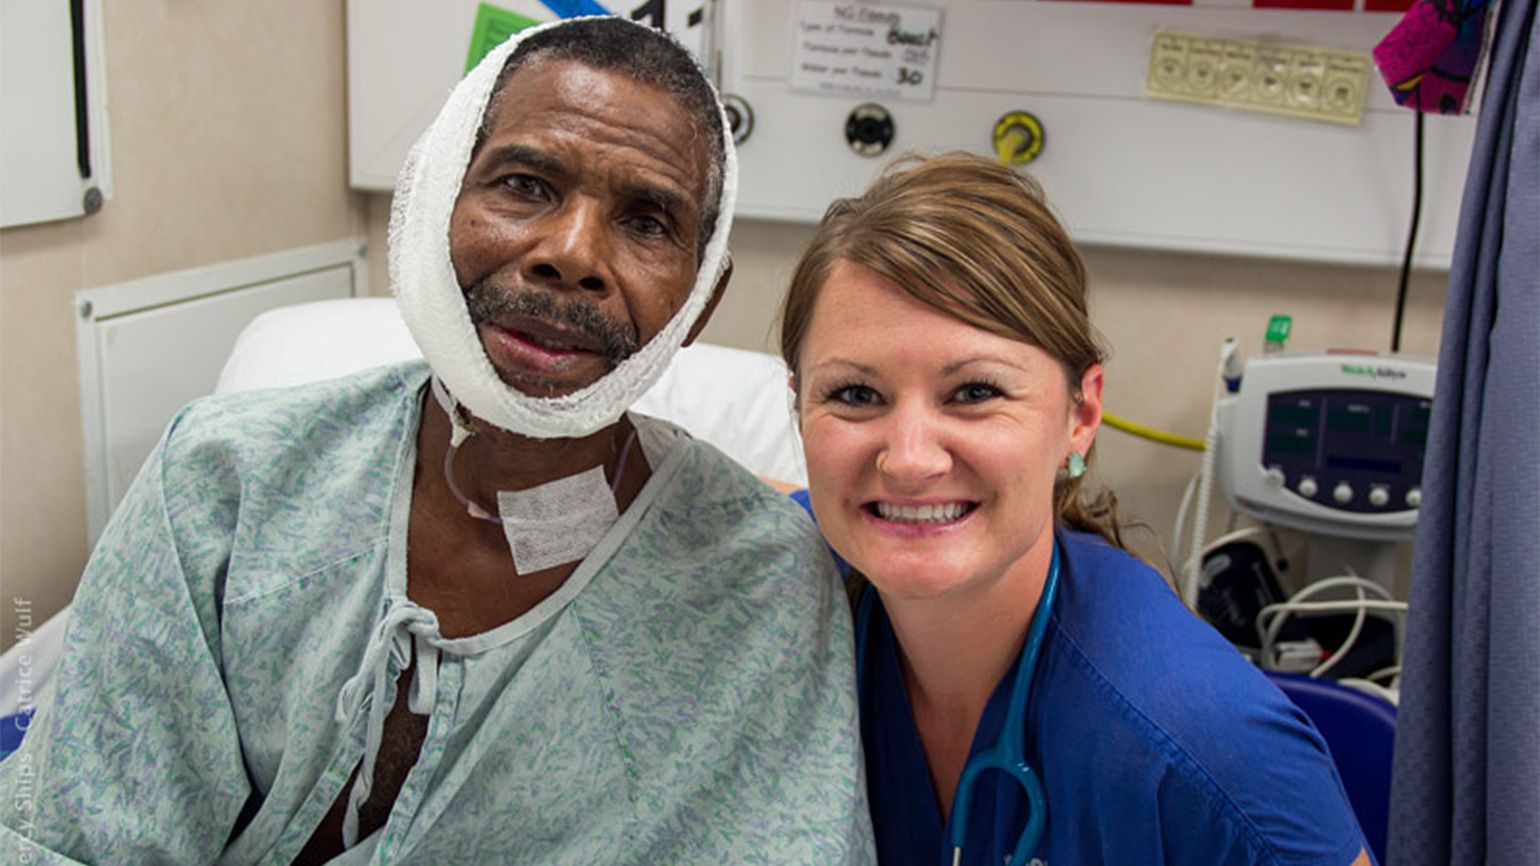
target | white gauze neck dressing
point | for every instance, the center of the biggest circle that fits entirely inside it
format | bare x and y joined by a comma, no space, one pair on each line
433,303
548,525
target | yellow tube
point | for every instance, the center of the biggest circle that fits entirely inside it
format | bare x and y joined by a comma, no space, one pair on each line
1151,433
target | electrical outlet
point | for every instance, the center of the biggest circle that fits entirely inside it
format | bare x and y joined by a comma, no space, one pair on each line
1295,80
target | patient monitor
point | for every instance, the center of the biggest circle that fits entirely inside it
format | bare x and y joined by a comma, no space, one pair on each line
1331,444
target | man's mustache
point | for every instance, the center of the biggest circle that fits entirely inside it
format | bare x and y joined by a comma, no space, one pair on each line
487,302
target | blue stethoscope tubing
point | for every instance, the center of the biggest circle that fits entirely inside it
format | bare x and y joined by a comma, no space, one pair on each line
1008,754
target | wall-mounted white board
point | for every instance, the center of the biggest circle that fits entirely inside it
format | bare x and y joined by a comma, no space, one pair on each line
1119,168
53,116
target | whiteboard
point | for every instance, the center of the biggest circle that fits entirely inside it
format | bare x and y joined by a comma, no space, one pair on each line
1118,167
42,174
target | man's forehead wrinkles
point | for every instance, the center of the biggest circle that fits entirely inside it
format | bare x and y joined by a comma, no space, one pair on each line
677,153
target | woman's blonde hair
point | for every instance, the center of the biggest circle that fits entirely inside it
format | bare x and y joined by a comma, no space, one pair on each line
976,241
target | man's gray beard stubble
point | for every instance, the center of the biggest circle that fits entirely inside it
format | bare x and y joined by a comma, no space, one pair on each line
486,302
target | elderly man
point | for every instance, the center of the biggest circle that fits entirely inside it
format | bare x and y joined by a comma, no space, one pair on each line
469,611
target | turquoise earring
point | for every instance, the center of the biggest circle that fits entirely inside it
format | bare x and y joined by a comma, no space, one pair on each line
1075,467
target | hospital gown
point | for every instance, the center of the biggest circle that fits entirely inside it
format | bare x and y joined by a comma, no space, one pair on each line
685,697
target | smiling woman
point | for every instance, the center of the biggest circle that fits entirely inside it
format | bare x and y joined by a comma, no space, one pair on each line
1014,705
942,440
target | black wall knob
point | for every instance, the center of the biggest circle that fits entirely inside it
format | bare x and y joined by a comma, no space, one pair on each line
869,129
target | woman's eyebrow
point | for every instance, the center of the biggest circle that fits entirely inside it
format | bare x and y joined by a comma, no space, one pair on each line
956,366
842,362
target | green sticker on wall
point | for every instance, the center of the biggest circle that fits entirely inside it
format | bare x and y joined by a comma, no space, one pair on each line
1278,328
492,28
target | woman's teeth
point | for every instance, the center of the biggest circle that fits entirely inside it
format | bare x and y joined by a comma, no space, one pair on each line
921,513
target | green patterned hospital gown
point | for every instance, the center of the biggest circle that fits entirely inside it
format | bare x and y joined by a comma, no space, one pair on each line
686,696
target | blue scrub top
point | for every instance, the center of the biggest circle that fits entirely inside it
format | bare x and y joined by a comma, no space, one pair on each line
1156,741
905,813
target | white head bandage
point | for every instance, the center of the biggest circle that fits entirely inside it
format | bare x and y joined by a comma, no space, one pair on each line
433,302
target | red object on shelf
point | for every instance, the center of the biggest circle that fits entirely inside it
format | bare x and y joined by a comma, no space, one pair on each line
1387,5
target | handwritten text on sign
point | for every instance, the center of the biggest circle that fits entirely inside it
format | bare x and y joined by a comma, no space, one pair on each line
867,49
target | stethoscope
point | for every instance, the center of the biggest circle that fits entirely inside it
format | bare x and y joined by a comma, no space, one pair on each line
1008,754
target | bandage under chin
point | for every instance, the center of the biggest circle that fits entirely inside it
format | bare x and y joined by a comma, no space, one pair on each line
559,522
546,526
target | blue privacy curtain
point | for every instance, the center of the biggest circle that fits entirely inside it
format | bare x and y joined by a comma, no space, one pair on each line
1466,787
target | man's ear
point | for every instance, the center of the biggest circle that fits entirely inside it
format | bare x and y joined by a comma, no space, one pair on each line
711,303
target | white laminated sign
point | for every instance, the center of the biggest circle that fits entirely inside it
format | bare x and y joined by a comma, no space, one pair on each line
867,49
